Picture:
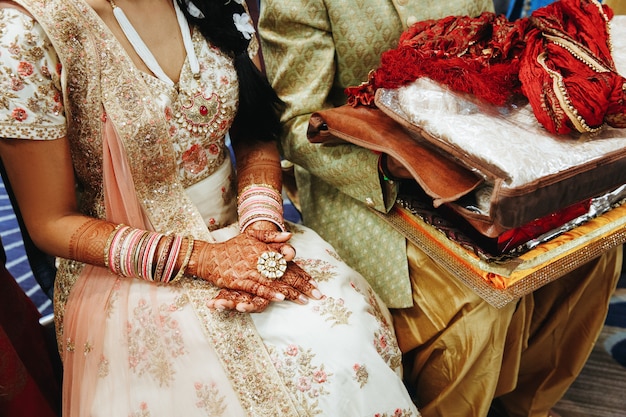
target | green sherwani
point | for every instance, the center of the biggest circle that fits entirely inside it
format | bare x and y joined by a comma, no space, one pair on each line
463,352
313,50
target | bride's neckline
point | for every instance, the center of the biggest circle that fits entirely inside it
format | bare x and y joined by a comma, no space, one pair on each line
144,52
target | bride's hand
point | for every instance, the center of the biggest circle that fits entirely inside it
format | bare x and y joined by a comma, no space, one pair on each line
232,265
266,232
227,299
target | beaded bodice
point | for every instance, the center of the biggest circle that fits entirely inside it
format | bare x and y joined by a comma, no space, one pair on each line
199,112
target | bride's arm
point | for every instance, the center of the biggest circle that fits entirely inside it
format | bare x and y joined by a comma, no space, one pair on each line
42,175
42,178
259,181
258,165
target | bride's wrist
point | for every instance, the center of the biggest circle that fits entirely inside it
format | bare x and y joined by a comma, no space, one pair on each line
260,202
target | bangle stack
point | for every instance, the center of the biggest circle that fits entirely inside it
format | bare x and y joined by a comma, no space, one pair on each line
136,253
260,202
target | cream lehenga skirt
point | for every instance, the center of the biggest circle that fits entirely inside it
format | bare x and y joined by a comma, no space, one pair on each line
133,348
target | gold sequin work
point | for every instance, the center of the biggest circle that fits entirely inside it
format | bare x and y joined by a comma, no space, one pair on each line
142,109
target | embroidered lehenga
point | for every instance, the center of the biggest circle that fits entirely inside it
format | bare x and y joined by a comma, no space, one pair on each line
153,156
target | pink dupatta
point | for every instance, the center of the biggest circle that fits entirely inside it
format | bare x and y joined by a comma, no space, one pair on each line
94,287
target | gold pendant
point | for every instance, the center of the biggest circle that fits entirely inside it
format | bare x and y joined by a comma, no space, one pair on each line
201,114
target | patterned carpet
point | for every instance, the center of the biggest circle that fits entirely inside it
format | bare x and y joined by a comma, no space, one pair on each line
598,392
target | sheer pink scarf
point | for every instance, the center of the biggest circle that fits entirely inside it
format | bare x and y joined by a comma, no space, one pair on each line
95,286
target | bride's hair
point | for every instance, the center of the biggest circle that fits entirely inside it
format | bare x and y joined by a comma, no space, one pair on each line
259,106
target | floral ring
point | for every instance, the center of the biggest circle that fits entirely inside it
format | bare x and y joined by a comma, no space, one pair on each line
271,265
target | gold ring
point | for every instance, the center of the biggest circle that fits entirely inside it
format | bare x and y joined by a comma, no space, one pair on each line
271,265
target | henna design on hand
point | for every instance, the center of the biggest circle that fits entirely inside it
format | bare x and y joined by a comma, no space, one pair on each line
88,241
239,300
232,265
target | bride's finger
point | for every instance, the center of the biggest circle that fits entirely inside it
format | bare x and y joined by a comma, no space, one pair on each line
258,287
228,299
298,279
269,236
285,249
288,278
288,251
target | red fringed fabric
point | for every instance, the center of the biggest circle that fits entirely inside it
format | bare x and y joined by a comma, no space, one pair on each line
559,58
567,72
479,56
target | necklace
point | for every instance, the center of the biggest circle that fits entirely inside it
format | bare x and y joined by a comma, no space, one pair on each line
142,50
197,112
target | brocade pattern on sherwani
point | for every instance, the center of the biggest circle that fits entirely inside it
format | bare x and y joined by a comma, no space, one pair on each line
313,50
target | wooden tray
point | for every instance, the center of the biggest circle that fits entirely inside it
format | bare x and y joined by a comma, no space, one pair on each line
505,282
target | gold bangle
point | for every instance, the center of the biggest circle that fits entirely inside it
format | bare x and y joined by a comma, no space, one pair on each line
107,245
183,266
139,251
162,258
266,189
118,248
263,185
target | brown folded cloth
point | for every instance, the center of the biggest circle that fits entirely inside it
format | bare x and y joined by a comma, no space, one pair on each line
442,179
